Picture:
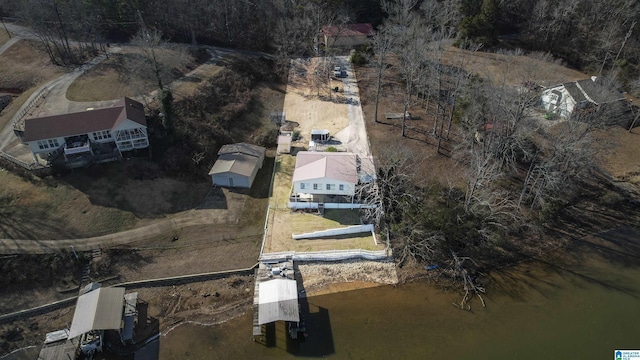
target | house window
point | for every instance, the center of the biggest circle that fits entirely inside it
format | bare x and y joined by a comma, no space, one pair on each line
341,187
99,135
43,144
317,186
303,186
331,186
53,143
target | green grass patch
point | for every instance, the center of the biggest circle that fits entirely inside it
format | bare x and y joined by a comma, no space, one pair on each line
344,217
285,164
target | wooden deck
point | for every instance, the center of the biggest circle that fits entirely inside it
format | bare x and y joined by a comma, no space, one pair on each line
60,350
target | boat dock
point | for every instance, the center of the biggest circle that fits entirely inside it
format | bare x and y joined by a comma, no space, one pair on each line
275,298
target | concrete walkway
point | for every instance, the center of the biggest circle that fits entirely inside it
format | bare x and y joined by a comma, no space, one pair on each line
9,43
354,137
165,226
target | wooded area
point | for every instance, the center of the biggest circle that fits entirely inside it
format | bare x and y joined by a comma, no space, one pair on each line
519,175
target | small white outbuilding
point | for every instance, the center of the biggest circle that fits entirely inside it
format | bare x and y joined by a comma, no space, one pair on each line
237,165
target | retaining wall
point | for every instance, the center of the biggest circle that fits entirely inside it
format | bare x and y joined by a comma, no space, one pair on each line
174,280
331,255
355,229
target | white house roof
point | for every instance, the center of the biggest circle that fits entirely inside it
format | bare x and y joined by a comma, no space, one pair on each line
100,309
333,165
278,301
237,163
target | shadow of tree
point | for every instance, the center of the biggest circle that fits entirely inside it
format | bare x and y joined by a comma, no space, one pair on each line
30,222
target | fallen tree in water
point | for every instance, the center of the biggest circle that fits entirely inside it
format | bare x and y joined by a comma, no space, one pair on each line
469,284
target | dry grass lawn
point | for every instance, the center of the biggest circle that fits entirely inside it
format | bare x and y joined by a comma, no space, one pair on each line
103,82
283,222
189,84
24,65
23,68
619,153
108,80
4,37
511,69
303,106
37,210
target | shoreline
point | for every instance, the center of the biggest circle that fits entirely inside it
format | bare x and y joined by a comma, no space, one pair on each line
317,278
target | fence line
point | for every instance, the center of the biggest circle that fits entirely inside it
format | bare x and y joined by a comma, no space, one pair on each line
22,113
328,255
18,162
353,229
131,284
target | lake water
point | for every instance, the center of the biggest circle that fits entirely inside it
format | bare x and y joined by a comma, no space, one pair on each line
582,309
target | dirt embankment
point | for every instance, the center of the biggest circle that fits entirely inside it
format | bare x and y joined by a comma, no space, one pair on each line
322,278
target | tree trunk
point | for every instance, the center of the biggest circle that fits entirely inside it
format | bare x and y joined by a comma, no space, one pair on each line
453,108
378,86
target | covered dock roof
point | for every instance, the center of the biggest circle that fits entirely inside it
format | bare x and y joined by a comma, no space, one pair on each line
278,301
100,309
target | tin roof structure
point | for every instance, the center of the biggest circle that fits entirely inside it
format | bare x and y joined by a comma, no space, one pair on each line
278,301
100,309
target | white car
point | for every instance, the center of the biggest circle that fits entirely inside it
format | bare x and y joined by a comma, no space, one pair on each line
337,71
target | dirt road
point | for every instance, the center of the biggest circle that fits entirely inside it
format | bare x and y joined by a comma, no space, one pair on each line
354,137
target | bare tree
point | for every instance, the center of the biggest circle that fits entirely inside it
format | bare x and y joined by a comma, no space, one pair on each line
460,269
159,59
382,43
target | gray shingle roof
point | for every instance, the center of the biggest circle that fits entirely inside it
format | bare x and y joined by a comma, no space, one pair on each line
242,148
236,163
598,93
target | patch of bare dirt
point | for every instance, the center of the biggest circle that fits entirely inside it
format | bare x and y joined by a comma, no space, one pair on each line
207,302
324,278
309,110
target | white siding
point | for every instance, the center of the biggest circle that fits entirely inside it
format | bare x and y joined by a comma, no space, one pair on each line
239,181
35,147
348,188
562,105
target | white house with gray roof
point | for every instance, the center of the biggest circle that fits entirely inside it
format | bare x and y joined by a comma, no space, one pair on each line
564,99
329,178
237,165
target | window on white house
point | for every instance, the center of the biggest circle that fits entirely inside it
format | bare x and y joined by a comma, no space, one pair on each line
303,186
53,143
43,144
99,135
317,186
341,187
331,186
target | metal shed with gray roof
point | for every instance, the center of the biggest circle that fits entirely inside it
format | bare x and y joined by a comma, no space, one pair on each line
237,165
